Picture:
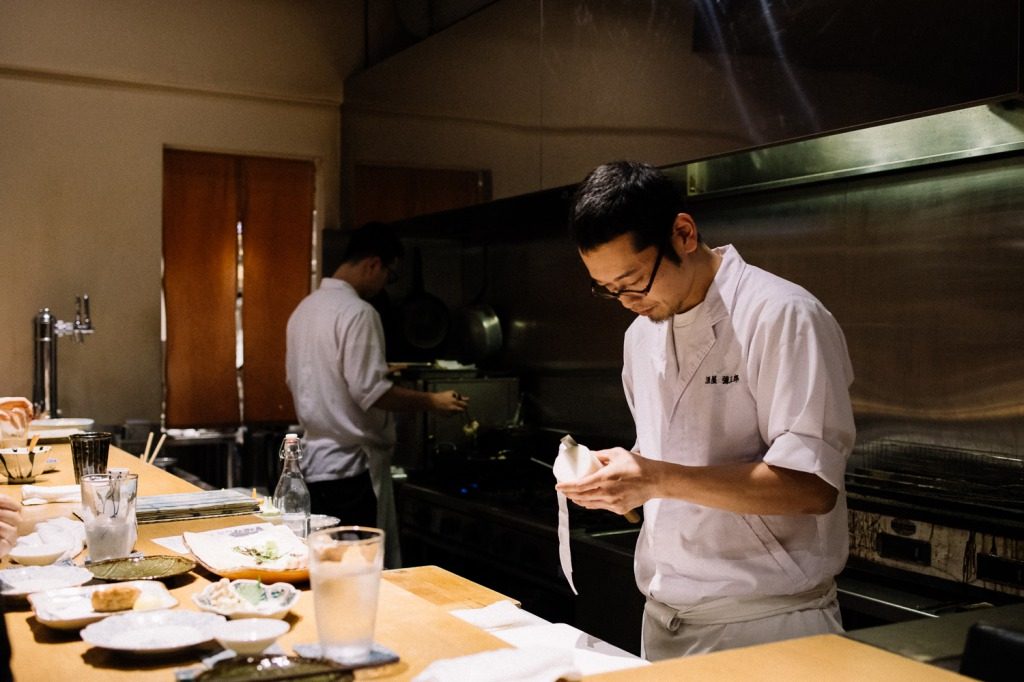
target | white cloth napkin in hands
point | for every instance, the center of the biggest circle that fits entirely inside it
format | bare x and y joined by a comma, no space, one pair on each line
66,533
535,664
44,494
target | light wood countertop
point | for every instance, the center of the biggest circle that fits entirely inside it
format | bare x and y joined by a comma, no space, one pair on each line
413,620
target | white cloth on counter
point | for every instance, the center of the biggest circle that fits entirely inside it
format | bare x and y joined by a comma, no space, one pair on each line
530,633
499,615
44,494
66,533
536,664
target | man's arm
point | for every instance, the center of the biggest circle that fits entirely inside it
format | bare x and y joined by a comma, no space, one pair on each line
400,399
628,480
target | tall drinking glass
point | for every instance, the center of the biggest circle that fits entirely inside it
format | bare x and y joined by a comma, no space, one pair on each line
344,566
108,508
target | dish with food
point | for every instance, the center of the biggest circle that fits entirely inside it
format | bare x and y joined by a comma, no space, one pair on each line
156,567
156,632
21,582
263,551
247,599
71,608
273,667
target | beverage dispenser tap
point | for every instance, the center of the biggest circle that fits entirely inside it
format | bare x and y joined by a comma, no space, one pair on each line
46,330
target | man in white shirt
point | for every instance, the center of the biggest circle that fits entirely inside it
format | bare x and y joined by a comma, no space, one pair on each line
338,376
738,382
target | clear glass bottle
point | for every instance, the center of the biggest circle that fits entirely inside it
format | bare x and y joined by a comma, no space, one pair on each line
291,496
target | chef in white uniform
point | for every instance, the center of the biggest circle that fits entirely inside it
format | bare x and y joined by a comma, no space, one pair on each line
338,376
738,382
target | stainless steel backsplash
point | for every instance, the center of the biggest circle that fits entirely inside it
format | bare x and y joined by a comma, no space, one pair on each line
922,267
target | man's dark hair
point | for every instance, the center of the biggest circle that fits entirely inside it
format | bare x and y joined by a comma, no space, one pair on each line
624,197
373,239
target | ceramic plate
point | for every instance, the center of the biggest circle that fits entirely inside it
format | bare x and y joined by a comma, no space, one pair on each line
269,667
157,632
21,582
59,428
247,599
142,567
71,608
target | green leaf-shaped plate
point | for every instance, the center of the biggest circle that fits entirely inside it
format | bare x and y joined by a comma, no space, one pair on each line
277,668
154,567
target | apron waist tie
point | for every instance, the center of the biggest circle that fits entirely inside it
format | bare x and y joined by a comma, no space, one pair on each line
723,610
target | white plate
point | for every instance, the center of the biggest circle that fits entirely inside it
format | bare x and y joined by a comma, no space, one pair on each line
157,632
71,607
60,423
59,428
218,552
21,582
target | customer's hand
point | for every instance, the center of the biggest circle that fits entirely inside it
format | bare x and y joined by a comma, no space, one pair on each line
10,514
449,402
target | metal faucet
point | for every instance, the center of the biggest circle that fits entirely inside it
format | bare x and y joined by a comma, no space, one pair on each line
46,330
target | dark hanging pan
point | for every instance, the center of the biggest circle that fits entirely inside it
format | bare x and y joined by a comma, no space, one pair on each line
424,317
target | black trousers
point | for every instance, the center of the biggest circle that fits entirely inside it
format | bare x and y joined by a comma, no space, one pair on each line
350,499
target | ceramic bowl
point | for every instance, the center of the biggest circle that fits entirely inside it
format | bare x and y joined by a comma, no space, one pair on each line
249,636
225,598
18,465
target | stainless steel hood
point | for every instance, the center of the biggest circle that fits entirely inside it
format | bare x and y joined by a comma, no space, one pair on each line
977,131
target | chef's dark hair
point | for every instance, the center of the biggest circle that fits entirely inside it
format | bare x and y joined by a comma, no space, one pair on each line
625,197
373,239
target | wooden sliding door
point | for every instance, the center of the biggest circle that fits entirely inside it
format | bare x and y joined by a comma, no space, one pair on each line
237,235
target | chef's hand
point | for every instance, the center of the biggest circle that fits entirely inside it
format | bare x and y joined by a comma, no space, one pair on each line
625,482
10,514
449,402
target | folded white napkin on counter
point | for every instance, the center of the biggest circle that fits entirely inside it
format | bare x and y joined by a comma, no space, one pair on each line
589,654
66,533
43,494
499,615
535,664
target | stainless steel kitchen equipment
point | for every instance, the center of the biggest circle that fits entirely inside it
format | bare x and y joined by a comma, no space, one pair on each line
46,329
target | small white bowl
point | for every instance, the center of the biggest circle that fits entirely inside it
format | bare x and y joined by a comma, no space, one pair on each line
37,555
249,636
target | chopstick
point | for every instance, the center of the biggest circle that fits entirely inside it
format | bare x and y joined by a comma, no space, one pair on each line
152,458
149,441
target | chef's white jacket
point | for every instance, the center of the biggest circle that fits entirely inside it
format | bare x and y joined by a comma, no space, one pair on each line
757,372
336,371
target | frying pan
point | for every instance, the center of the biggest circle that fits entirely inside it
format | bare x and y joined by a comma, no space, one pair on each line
424,317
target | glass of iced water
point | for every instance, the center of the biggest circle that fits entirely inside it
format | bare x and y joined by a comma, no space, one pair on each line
108,508
344,571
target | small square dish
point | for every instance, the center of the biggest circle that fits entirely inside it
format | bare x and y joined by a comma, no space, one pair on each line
71,608
247,599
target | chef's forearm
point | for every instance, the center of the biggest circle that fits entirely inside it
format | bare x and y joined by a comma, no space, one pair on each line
745,488
401,399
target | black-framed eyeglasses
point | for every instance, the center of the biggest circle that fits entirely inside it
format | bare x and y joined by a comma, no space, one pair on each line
602,291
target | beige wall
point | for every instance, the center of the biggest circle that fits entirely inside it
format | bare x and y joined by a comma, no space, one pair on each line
90,95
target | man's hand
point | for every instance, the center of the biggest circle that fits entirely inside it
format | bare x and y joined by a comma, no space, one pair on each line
449,402
10,514
625,482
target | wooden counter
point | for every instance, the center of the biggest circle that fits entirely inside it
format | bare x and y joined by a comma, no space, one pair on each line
413,620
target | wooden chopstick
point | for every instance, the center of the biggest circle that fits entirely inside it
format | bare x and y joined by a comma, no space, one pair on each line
152,457
149,441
